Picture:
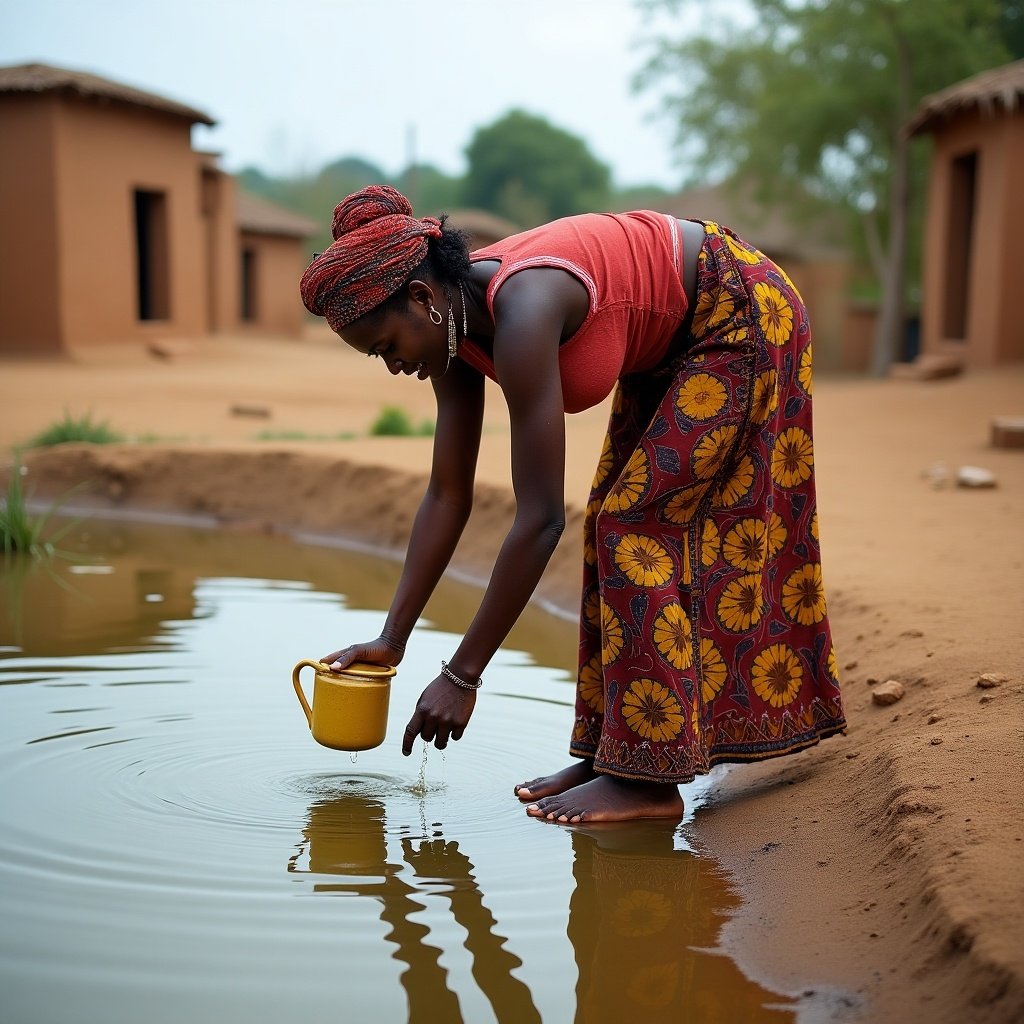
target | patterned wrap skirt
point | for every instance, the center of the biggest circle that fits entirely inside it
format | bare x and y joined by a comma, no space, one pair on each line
704,634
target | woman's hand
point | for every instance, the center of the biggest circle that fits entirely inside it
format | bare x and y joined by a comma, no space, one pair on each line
377,652
442,713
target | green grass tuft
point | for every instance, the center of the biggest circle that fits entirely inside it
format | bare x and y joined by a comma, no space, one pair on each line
22,533
82,429
301,435
395,422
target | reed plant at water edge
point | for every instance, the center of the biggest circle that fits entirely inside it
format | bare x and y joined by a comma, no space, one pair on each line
21,532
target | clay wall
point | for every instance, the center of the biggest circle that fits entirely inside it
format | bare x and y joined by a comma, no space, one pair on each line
30,283
972,233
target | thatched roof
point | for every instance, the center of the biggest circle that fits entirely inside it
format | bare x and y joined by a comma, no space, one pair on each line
266,218
998,90
39,78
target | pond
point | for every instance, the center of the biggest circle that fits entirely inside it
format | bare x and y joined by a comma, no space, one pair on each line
175,846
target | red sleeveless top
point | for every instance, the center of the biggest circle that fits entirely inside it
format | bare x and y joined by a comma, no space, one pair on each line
631,265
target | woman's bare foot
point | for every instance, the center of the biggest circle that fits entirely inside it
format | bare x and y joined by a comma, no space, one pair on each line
607,798
550,785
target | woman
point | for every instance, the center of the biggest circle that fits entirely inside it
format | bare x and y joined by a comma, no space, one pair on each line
704,634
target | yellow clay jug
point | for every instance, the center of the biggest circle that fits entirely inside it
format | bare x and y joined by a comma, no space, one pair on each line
350,707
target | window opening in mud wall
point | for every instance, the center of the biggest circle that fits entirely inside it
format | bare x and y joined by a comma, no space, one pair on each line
151,252
248,285
963,178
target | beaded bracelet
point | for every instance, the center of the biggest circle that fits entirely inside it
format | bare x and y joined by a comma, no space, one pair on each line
445,670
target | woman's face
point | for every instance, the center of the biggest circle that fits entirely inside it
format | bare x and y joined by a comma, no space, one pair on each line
407,341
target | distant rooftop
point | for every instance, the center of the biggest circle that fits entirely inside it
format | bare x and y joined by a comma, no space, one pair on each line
996,90
38,78
482,226
263,217
764,225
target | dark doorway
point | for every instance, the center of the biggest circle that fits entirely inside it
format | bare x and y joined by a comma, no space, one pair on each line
151,251
249,285
956,312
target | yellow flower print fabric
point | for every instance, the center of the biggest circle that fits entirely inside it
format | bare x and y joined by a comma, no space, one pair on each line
704,632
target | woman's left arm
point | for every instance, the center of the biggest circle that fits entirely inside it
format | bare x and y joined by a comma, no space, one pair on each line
530,313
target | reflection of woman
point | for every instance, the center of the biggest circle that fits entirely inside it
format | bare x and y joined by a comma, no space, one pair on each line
346,837
641,920
704,634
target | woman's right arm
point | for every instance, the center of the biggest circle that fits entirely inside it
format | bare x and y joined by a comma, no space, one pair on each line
441,518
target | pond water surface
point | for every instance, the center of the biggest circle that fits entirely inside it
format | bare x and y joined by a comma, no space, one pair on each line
175,847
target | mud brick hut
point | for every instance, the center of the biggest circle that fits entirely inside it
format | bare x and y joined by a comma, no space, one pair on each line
114,229
975,218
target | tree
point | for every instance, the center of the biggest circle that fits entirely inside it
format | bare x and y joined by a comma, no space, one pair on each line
1011,13
429,189
527,170
814,98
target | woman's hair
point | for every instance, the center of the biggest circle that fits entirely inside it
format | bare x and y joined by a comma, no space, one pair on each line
447,262
378,248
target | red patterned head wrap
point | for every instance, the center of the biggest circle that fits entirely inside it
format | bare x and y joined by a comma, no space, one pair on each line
377,244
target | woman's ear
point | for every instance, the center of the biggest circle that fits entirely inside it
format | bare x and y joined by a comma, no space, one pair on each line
421,293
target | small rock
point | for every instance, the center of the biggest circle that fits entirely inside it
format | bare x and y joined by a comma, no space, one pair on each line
850,666
991,679
257,411
932,719
928,366
935,741
987,699
1008,432
975,477
871,681
168,349
888,693
911,633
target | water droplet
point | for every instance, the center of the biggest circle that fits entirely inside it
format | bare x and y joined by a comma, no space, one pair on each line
419,787
353,756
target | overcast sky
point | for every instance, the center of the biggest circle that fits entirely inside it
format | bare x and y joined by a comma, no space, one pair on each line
294,84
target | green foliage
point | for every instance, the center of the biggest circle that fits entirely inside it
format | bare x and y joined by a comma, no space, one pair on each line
429,190
1011,26
520,167
810,103
394,421
22,533
316,195
640,197
525,169
81,429
816,93
301,435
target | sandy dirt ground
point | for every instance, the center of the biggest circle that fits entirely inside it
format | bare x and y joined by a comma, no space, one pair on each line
881,871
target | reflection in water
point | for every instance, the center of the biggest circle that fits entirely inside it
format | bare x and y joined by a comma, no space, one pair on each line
641,920
346,837
134,577
152,791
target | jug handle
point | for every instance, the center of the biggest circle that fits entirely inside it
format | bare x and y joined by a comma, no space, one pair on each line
317,666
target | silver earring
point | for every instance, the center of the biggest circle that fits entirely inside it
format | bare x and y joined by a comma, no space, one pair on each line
453,341
453,338
435,317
